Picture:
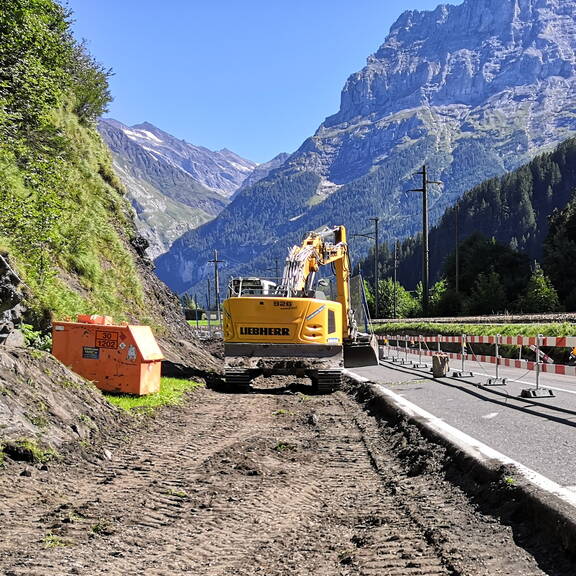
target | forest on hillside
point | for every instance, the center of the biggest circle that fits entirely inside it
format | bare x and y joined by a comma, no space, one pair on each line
516,239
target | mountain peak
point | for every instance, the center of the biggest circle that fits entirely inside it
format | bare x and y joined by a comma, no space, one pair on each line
219,171
463,55
472,90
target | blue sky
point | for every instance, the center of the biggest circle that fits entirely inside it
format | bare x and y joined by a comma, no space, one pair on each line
254,76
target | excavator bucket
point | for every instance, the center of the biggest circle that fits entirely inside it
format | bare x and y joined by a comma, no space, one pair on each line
363,352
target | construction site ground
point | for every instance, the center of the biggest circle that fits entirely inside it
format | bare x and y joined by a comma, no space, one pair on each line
275,482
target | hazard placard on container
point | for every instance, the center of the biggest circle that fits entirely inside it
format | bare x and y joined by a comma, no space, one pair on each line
106,339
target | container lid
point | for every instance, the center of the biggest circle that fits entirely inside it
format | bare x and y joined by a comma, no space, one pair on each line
95,319
146,343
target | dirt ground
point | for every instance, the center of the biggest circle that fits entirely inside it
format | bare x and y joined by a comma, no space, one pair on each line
277,482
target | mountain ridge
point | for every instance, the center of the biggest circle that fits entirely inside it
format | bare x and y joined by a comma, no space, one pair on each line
174,186
471,105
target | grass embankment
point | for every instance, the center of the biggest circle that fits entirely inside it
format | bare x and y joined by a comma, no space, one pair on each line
201,323
172,391
64,219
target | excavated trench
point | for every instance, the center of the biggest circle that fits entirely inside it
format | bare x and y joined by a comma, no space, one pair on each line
275,482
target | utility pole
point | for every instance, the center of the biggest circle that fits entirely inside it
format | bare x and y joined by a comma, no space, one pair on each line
277,269
376,252
215,261
196,309
457,285
208,304
376,279
425,250
395,275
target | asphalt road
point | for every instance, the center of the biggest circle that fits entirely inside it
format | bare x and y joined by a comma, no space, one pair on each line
537,432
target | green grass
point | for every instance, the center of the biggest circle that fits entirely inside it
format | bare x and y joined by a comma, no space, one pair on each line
202,322
284,447
91,267
54,541
282,412
29,451
172,391
425,329
178,493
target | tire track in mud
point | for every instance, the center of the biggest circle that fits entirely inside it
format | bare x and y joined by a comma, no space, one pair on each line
246,485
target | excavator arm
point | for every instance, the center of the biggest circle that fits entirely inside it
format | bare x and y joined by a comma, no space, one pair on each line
303,262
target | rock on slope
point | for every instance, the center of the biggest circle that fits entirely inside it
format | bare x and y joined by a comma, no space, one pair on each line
46,410
473,91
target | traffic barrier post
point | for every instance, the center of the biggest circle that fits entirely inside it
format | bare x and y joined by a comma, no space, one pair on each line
420,364
497,381
537,392
462,373
388,353
397,349
406,361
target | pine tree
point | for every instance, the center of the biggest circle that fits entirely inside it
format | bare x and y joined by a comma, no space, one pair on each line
540,295
488,295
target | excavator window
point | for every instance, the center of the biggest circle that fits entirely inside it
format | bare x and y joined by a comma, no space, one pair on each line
331,321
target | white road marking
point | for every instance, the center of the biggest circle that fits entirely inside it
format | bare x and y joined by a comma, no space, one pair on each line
491,415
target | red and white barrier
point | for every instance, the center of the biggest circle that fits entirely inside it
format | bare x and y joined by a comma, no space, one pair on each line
549,341
529,341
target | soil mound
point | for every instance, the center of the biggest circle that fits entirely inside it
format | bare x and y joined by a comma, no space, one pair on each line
47,411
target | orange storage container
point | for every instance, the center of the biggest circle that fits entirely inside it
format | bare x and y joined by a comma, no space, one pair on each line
116,358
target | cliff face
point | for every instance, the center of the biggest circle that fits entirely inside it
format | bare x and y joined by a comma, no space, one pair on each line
473,91
465,55
502,73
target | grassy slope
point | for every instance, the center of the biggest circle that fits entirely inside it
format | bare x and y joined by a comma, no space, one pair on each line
93,270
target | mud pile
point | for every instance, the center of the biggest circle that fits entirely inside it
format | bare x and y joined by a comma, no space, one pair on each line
48,412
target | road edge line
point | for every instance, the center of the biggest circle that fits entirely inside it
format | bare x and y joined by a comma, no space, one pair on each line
551,503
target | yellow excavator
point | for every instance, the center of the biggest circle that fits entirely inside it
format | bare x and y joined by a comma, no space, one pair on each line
292,328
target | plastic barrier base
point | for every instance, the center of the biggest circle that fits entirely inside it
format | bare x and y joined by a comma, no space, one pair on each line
462,374
495,382
537,393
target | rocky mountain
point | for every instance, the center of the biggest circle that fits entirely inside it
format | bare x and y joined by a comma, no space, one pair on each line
174,186
262,171
473,91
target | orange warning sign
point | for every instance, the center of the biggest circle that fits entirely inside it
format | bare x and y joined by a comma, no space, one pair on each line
106,339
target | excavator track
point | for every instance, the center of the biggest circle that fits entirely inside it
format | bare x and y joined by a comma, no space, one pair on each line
327,381
238,379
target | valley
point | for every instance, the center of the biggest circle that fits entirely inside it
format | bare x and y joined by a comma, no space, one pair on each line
342,461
